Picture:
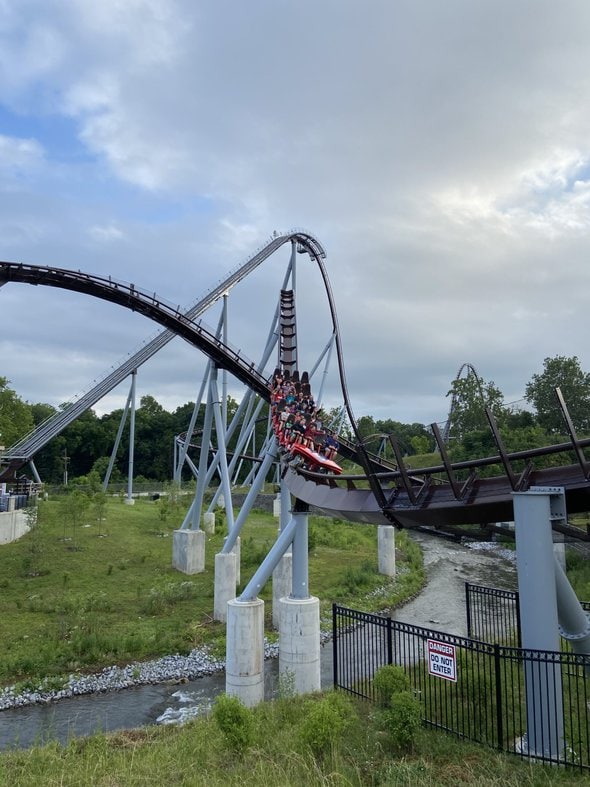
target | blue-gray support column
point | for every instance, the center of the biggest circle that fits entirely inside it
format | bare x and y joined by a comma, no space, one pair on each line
285,505
271,456
224,372
122,422
35,472
327,350
278,549
300,586
129,499
292,265
534,512
192,422
574,621
221,450
242,439
195,521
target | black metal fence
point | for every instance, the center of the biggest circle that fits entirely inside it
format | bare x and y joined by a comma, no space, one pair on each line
493,615
531,703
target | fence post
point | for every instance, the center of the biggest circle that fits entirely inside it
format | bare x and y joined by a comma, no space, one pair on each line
518,628
499,709
468,608
389,641
334,647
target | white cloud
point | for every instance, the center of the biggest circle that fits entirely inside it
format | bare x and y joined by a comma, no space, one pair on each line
19,156
439,151
106,233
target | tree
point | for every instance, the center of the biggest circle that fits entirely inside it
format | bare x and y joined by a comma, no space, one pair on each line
471,395
16,419
564,373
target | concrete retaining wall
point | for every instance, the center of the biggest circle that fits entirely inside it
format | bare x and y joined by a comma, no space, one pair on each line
13,525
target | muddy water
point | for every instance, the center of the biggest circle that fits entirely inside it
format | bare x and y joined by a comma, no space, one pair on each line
441,605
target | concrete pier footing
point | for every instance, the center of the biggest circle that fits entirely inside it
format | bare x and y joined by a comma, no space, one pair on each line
188,551
282,578
276,507
386,550
209,522
299,643
237,551
225,584
244,669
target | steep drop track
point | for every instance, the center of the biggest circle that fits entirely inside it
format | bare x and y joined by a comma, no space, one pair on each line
438,496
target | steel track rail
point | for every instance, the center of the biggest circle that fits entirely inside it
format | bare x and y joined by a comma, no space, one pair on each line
29,445
411,502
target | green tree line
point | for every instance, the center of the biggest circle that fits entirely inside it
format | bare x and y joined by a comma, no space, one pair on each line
87,443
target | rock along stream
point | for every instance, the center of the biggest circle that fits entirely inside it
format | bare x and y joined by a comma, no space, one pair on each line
441,606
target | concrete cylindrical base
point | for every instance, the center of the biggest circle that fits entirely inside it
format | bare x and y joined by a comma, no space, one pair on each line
244,658
282,578
225,584
299,643
209,522
188,551
386,549
237,551
129,501
276,507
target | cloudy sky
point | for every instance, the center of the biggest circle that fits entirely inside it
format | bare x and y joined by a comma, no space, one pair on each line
439,151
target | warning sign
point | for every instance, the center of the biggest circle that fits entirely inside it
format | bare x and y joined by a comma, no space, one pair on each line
442,660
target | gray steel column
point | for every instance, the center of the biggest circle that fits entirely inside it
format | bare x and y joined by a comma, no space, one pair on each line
35,472
131,439
327,350
122,422
270,562
195,523
221,456
300,582
285,506
251,497
292,265
224,372
574,621
534,512
192,422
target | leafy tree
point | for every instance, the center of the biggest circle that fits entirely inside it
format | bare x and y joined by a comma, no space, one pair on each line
471,395
41,412
564,373
16,419
73,509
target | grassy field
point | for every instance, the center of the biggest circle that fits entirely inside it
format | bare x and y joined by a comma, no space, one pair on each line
292,741
80,592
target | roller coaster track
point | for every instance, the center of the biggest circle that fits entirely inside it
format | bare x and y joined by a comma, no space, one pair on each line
438,495
470,371
26,448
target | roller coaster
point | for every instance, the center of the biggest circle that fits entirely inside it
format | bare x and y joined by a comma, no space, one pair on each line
443,495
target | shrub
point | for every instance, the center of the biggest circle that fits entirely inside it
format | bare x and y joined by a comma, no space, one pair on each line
388,681
325,722
402,720
235,722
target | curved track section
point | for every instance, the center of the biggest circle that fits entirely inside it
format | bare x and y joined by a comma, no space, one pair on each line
430,496
470,370
28,446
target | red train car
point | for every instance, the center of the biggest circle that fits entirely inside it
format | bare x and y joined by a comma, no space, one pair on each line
315,460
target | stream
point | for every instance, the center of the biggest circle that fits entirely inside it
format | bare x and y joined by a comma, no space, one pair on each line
441,605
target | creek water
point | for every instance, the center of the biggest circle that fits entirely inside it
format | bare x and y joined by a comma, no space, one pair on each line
441,605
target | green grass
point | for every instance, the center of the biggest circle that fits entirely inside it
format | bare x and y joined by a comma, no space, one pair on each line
277,752
108,594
